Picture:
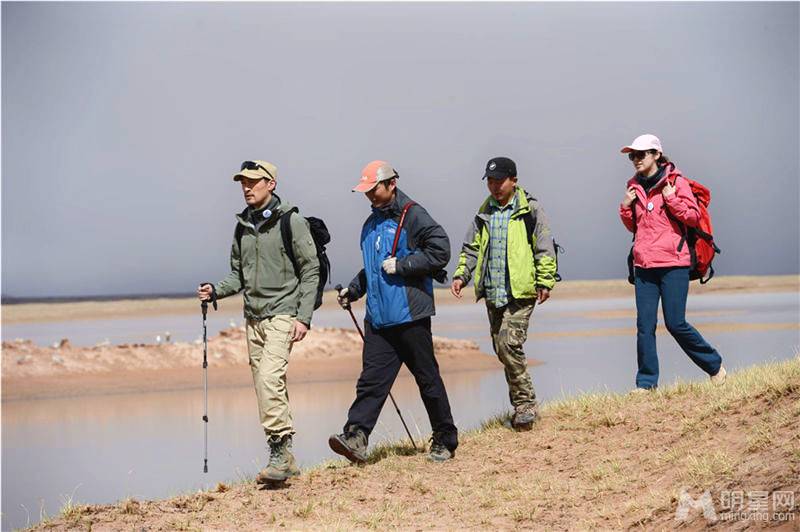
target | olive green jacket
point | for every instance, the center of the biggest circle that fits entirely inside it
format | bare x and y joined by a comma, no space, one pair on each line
529,266
261,268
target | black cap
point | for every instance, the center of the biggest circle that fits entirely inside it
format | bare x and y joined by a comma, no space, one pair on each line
500,167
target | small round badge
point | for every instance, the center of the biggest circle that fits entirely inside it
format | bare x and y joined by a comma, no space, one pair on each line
650,206
268,213
493,166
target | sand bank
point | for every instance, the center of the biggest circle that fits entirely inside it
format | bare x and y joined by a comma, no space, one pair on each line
326,354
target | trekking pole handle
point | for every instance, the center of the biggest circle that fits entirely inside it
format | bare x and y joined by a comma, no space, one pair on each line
213,300
338,289
349,309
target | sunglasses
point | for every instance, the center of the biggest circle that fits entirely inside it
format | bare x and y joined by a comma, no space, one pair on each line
636,155
251,165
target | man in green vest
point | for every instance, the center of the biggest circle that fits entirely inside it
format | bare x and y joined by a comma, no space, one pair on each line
509,251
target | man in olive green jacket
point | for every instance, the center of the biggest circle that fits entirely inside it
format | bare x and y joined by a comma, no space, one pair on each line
510,249
279,299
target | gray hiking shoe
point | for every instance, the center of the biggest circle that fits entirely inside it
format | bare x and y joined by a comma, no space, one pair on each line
439,453
524,417
352,444
281,465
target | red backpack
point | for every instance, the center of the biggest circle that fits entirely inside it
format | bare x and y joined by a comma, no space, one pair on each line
700,239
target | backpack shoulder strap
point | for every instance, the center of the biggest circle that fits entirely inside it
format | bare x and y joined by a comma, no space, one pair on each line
530,225
286,236
406,207
238,235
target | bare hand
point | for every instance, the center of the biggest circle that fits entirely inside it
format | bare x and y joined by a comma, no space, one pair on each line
668,190
300,331
630,197
456,286
542,294
204,292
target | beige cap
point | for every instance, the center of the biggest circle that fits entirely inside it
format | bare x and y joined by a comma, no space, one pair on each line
256,169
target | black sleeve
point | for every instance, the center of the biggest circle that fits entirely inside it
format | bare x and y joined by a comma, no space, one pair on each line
358,286
429,242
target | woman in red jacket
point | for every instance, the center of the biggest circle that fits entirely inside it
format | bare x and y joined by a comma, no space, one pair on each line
657,201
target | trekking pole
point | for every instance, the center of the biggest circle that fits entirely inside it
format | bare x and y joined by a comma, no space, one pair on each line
204,306
338,289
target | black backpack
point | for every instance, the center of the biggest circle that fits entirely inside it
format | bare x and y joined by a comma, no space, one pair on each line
320,236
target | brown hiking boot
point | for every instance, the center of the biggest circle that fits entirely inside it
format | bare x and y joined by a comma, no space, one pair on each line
524,417
352,444
282,465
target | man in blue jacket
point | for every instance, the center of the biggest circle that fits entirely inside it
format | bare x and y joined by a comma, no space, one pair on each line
397,328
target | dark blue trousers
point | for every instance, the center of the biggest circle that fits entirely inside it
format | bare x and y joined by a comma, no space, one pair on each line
671,286
385,350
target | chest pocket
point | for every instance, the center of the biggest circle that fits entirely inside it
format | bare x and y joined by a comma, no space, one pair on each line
272,261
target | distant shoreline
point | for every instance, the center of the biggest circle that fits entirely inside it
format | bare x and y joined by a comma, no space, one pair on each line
22,300
140,306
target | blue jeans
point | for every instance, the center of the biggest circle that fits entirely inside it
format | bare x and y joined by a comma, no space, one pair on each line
671,285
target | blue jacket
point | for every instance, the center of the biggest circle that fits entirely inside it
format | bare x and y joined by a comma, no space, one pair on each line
423,251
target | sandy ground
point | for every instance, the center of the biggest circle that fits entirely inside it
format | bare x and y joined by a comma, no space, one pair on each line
38,312
326,354
599,462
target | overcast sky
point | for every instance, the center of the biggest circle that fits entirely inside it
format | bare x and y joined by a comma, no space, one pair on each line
123,123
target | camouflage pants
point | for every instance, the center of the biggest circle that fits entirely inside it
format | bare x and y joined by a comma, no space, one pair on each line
509,329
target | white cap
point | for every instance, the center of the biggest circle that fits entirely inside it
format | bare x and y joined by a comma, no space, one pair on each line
643,143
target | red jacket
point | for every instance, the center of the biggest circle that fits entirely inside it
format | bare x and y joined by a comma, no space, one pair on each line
657,235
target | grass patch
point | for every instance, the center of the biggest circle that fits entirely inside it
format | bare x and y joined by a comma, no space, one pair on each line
500,421
702,470
130,506
403,447
304,511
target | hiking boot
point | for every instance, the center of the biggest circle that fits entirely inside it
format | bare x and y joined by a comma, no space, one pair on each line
524,417
352,444
439,453
281,465
719,378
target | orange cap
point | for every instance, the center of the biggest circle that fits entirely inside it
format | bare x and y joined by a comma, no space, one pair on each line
373,173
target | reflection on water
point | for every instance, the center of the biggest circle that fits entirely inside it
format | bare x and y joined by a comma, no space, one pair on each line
103,449
106,448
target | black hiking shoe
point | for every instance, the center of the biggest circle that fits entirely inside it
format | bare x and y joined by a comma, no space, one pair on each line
524,417
282,465
352,444
439,453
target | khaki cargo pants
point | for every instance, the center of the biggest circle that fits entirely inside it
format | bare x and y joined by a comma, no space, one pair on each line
509,329
269,344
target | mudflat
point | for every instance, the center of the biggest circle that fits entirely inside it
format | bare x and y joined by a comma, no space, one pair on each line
326,354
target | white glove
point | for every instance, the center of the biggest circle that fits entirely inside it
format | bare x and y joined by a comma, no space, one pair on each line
343,297
390,265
